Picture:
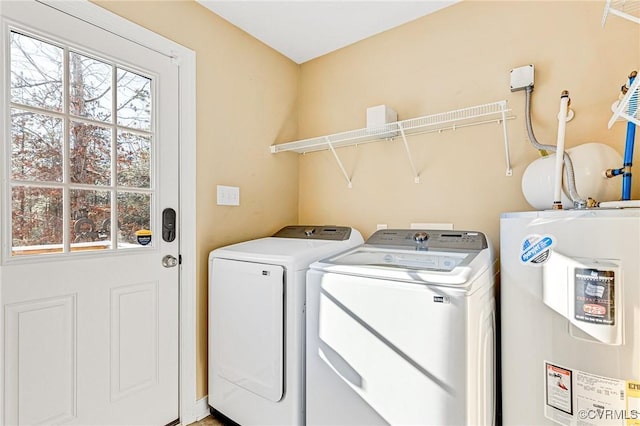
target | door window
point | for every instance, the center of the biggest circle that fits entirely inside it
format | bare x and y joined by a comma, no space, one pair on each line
81,158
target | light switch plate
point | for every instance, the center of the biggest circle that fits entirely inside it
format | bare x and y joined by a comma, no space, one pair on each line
228,195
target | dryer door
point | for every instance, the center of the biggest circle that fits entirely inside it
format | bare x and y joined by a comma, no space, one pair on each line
247,320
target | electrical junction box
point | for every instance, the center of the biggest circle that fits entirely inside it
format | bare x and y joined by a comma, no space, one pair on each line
521,78
380,115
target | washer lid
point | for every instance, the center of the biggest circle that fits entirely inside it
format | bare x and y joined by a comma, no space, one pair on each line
417,260
315,232
294,253
449,268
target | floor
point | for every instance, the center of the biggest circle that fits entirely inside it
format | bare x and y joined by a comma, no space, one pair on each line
209,421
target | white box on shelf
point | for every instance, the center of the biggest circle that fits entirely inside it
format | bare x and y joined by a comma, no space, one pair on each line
380,115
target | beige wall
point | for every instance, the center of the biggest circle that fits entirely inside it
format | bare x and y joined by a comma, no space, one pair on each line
459,57
250,97
246,101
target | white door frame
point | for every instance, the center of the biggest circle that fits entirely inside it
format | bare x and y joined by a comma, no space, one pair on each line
185,58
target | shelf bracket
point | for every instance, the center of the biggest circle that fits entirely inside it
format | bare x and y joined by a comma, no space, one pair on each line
416,176
335,155
503,111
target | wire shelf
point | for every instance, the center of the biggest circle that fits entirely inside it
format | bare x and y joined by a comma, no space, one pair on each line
480,114
627,9
437,122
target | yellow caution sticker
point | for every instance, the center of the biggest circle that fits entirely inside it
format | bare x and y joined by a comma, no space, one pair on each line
633,403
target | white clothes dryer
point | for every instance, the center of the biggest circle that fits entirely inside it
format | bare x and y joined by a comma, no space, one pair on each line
401,331
256,322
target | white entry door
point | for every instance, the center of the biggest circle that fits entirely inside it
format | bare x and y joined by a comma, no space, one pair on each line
88,278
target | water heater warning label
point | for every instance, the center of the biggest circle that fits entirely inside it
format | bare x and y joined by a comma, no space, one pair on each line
559,388
580,398
595,296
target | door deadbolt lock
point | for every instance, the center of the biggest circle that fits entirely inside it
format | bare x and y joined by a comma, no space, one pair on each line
169,261
168,225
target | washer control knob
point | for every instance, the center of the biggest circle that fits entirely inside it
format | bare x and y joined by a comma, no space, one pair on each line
309,231
420,237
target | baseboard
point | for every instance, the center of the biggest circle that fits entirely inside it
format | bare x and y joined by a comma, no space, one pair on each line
202,408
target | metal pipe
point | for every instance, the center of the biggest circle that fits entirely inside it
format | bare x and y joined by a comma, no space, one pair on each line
629,142
609,173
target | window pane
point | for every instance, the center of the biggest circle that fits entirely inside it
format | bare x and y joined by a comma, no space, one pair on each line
90,87
36,147
134,214
80,122
36,220
90,154
36,73
134,154
134,100
90,220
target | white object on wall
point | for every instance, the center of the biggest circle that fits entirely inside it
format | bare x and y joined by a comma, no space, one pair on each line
228,195
521,77
380,115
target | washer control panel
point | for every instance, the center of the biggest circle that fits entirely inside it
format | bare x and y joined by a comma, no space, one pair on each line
311,232
429,239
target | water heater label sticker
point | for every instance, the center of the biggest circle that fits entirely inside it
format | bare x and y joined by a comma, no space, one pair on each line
600,401
559,388
595,296
633,403
579,398
535,249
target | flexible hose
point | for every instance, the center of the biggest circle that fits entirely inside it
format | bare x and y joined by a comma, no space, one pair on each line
578,201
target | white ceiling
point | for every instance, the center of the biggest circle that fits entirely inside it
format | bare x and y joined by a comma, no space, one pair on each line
302,30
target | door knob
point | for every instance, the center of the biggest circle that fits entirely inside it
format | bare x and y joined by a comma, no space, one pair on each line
169,261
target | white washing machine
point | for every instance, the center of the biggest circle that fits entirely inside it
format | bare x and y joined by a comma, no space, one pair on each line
256,322
570,309
401,331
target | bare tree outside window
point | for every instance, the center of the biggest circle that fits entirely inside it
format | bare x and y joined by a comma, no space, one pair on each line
81,145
